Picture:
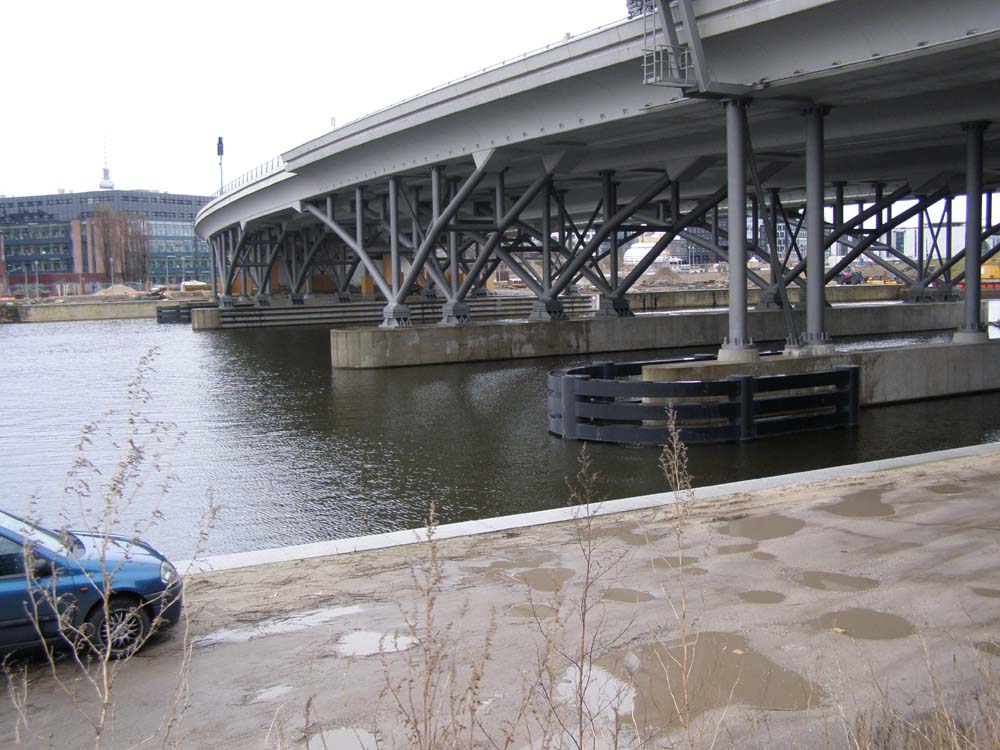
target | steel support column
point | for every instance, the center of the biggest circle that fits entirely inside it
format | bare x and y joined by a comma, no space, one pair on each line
737,346
972,329
815,334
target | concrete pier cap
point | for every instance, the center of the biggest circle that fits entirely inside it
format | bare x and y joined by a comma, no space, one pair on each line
738,353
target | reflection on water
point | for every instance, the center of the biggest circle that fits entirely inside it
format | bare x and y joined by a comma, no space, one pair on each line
295,452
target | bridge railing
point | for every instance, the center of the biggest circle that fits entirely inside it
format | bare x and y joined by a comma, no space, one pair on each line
607,402
261,170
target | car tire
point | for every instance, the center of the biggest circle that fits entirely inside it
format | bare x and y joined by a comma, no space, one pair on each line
129,626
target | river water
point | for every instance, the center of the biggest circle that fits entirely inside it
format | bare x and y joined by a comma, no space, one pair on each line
257,423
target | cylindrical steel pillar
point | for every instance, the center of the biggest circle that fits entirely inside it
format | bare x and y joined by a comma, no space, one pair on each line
815,229
394,261
736,175
971,323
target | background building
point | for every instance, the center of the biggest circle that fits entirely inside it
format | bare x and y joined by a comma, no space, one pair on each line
71,242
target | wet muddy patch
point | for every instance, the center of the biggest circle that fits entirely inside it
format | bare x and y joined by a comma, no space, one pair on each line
723,671
826,581
761,528
346,738
764,556
985,592
735,549
631,533
545,579
866,624
991,648
292,623
678,562
863,504
946,488
628,596
371,642
762,597
534,611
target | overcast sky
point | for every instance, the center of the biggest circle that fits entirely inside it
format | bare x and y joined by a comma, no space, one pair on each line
159,82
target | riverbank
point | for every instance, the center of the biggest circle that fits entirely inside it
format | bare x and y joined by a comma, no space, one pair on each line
807,600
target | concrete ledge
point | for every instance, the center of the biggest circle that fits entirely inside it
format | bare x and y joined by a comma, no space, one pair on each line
556,515
888,376
364,348
687,298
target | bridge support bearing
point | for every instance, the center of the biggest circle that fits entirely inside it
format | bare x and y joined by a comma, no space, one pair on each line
263,300
343,297
225,300
455,313
614,307
547,310
395,315
296,299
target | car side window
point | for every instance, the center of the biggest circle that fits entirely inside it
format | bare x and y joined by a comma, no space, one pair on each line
11,558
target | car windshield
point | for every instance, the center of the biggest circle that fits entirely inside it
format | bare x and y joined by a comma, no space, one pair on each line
39,535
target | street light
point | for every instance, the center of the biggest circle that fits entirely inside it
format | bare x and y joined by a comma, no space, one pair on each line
37,292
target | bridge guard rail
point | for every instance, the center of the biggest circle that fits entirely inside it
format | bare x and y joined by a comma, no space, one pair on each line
605,402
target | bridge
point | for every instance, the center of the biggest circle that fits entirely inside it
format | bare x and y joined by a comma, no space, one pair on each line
832,122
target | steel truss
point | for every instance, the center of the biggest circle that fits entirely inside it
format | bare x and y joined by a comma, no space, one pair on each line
445,233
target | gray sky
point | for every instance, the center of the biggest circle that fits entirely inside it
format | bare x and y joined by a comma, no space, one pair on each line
161,81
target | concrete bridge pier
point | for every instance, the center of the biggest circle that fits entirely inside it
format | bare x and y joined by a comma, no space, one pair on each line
972,330
737,346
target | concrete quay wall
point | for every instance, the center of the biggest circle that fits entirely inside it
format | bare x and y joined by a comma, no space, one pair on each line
70,311
909,373
369,348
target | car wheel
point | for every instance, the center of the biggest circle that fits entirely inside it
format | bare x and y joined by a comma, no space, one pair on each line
118,629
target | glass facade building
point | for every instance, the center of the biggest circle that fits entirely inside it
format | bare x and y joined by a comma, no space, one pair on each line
52,239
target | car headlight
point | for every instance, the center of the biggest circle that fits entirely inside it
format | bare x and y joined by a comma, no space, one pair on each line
168,573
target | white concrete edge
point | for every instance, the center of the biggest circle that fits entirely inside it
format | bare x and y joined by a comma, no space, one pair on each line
555,515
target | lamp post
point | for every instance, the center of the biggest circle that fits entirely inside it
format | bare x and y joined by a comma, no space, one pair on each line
37,292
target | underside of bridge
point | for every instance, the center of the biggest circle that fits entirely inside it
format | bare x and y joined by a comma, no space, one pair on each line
832,124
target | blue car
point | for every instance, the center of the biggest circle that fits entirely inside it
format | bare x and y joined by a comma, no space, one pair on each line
62,595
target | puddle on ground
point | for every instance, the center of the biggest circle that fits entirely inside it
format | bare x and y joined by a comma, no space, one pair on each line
863,504
992,648
370,642
763,556
866,624
821,579
272,693
723,671
630,533
946,488
291,624
673,561
890,546
735,549
988,593
629,596
347,738
762,597
607,702
760,528
534,611
545,579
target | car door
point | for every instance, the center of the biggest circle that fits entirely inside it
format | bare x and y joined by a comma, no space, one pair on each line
16,622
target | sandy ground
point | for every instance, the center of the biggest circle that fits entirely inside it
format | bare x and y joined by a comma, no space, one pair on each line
802,608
